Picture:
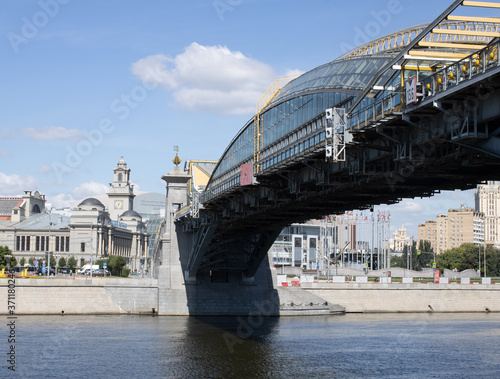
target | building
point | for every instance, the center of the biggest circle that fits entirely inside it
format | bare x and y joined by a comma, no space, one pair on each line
428,232
458,226
350,240
19,208
400,240
121,191
89,233
487,199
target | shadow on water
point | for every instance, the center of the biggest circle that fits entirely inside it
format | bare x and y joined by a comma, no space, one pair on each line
223,347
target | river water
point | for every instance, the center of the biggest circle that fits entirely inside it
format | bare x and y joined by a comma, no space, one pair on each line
349,346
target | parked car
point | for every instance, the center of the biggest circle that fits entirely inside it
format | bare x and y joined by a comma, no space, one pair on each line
101,272
41,273
64,270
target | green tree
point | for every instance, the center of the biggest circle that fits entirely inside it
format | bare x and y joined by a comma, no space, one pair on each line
470,256
52,261
22,262
72,262
116,263
62,262
6,257
30,261
101,262
396,260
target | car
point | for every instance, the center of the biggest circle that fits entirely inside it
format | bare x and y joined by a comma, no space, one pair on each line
64,270
101,272
41,273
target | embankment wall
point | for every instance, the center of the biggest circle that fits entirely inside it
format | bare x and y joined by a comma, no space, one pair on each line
77,296
412,297
140,296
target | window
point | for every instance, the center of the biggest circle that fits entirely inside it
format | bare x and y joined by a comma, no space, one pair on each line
82,247
37,243
120,177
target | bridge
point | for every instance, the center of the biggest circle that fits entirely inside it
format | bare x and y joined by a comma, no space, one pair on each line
406,115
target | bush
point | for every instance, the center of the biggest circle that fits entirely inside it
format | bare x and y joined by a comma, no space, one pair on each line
115,264
125,272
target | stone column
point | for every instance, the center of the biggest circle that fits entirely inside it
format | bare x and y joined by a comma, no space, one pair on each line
172,297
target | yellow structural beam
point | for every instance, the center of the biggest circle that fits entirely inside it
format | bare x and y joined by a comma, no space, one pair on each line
466,33
482,4
451,45
436,54
474,19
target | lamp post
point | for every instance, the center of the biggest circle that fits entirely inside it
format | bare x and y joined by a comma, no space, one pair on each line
48,250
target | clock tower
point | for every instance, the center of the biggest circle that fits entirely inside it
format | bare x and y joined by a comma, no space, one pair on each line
121,192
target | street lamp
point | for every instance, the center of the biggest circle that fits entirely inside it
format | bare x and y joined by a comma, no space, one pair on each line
48,250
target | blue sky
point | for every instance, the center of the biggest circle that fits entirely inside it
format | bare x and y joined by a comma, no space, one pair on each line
85,82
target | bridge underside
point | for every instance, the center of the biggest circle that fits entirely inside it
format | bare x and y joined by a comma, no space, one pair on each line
446,142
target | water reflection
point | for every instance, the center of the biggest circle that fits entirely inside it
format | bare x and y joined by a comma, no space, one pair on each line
227,347
351,346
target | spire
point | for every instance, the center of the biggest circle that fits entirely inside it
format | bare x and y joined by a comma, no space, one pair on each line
176,159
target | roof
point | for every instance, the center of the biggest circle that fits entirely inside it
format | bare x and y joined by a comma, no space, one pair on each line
91,201
353,75
131,213
43,221
8,203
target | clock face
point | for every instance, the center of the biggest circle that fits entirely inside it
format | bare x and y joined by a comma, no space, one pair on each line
118,204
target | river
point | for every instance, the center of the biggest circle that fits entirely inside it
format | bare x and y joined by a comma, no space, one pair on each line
349,346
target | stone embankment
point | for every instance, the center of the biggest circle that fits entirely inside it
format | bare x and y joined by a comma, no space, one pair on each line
80,296
409,297
141,296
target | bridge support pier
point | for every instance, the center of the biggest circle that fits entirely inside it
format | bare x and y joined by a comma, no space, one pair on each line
233,294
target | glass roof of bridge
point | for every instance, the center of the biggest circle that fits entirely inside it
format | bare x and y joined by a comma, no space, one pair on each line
353,74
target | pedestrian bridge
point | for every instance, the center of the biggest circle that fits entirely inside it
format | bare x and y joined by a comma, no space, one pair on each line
406,115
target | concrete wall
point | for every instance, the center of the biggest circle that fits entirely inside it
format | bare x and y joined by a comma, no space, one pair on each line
140,296
414,297
97,296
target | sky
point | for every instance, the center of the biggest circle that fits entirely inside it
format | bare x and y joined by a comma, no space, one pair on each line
85,82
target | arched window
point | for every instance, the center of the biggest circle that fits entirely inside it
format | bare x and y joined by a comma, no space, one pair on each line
120,177
36,209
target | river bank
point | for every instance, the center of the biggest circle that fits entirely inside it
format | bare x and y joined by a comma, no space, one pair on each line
140,296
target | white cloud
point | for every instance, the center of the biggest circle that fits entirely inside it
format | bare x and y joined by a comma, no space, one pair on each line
4,154
13,185
84,190
44,133
208,78
51,133
44,169
409,206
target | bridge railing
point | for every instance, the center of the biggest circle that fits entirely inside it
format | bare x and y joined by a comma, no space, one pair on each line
376,111
464,69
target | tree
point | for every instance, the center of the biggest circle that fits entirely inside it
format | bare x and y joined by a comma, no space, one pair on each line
82,262
6,257
101,262
22,262
468,256
116,263
52,261
62,262
396,260
72,262
30,261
